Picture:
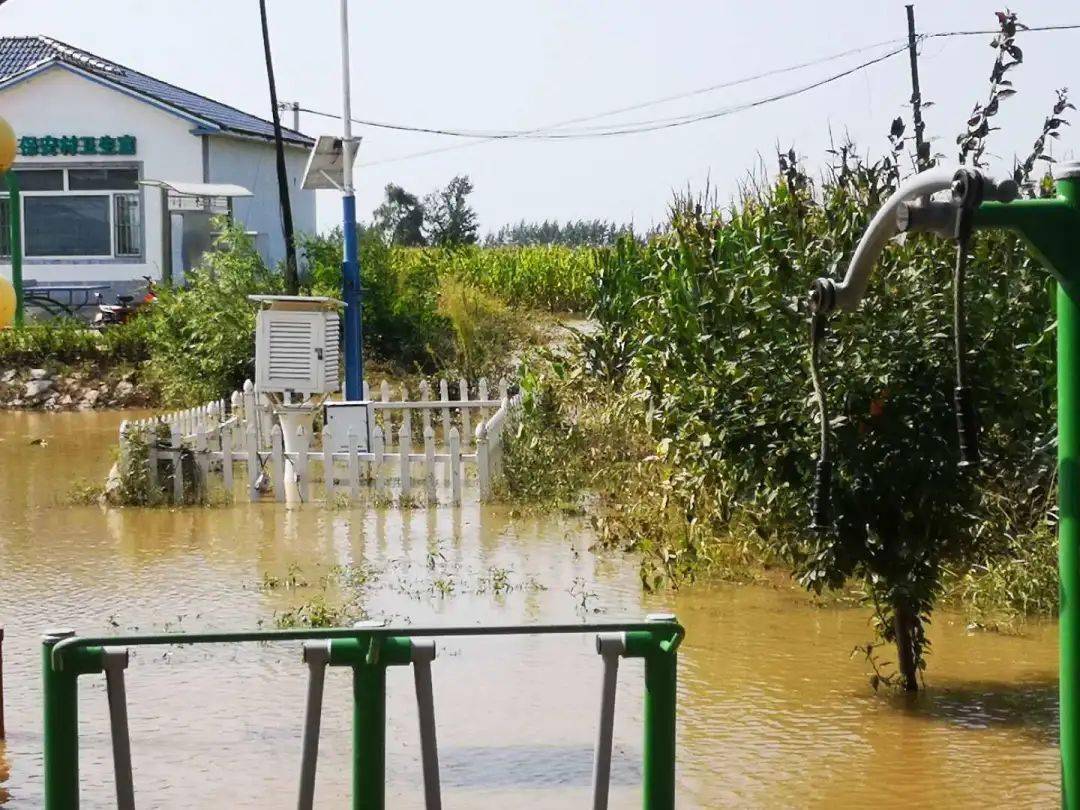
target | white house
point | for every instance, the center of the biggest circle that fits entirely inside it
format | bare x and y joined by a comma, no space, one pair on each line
94,135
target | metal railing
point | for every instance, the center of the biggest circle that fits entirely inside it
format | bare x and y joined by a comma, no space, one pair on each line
368,649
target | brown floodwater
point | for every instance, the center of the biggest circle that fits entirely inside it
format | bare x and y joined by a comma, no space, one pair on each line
773,711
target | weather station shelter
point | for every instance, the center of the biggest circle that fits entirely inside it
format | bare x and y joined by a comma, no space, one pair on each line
121,173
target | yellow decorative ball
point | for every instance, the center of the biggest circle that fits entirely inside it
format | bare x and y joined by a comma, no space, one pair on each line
7,303
7,145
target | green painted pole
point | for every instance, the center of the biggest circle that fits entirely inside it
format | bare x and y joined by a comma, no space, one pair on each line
1069,543
369,658
61,697
60,690
1051,228
661,663
15,223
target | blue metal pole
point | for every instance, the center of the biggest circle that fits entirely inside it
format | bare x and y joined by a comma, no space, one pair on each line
350,266
353,297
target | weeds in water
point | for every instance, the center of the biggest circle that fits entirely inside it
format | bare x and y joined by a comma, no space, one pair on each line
85,493
583,597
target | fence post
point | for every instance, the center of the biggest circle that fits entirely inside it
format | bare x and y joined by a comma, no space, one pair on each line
387,418
504,388
483,471
227,458
377,461
302,482
483,394
328,463
455,466
202,460
252,440
444,396
425,396
466,425
177,442
236,406
429,464
277,445
354,465
251,414
404,448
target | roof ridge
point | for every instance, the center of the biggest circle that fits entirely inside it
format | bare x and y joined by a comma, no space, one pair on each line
81,57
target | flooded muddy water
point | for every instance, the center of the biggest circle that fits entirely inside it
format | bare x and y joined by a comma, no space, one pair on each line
772,710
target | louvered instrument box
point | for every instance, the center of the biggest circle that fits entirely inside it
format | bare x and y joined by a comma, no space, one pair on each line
297,344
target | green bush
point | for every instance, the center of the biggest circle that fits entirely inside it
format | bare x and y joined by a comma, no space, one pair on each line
67,341
708,325
201,338
401,293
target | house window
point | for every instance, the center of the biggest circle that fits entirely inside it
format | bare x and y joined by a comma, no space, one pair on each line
67,225
128,225
78,212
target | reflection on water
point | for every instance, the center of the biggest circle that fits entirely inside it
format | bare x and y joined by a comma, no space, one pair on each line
772,711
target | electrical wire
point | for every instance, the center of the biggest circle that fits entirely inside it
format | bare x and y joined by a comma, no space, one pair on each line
507,134
551,132
634,128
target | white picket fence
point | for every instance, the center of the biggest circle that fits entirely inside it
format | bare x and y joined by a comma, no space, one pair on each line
445,449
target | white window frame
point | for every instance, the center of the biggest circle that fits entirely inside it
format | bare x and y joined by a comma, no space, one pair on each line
110,194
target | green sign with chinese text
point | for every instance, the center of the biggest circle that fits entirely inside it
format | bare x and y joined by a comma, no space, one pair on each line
56,145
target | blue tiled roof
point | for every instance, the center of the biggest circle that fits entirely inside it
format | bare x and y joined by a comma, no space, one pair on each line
21,54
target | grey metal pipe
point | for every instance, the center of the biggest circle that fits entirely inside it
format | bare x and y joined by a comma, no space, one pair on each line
316,656
610,646
116,661
423,653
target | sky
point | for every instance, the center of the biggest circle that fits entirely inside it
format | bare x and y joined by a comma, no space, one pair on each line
498,65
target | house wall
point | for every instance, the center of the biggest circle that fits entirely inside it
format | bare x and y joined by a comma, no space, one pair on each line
61,102
253,165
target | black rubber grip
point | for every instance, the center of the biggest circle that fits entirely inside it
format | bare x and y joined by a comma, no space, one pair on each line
967,426
822,506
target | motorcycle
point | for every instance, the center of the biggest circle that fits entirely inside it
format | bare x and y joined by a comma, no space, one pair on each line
125,307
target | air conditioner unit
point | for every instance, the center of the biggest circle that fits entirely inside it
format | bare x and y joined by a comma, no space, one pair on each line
296,345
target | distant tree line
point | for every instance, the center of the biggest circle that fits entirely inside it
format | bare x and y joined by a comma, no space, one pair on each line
572,233
444,218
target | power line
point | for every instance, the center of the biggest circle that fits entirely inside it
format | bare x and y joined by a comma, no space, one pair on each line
509,134
553,131
1022,30
653,126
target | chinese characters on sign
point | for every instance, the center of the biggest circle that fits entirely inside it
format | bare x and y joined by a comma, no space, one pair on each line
51,145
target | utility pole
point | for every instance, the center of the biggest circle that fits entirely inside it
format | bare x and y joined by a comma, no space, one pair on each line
350,266
292,279
922,149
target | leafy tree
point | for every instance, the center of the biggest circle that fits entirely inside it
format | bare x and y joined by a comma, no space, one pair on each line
400,218
449,220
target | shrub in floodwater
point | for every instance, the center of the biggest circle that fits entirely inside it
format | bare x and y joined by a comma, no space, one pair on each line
707,324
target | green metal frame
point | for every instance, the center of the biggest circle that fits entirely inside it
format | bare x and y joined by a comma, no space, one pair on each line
15,224
1051,228
369,651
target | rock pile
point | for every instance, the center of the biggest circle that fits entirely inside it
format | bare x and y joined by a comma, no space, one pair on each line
70,389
